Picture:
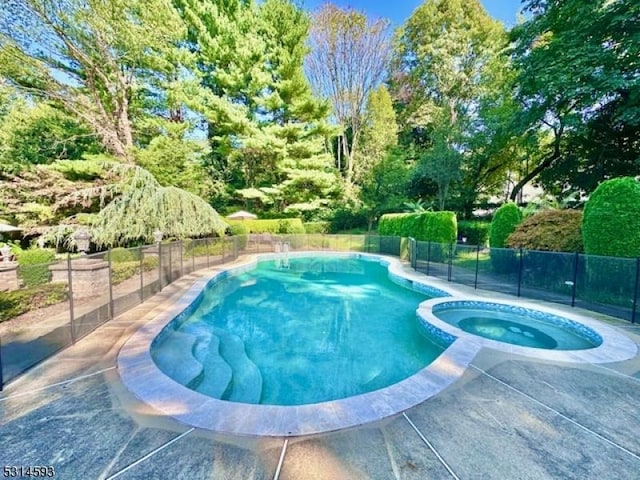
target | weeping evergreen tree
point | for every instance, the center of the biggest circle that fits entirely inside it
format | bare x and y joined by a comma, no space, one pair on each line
133,205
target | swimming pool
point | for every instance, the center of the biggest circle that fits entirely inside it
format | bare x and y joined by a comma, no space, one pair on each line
141,376
312,330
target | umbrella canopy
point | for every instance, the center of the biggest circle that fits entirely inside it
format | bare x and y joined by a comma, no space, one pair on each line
242,215
5,228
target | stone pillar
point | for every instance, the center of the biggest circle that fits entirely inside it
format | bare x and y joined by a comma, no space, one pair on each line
8,276
90,277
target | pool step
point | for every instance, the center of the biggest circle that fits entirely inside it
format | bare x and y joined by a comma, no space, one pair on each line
174,356
217,372
246,383
203,334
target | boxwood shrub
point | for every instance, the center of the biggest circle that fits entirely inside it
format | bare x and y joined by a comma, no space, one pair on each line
611,221
33,266
504,222
611,227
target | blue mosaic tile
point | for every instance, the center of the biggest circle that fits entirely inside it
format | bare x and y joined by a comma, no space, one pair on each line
439,337
575,327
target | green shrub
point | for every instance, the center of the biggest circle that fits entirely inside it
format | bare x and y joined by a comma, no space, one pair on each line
122,271
504,222
210,247
241,231
283,225
17,302
439,227
290,226
33,266
346,219
316,227
124,255
611,221
476,231
549,230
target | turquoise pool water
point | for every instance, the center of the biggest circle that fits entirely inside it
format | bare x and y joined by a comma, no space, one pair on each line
322,329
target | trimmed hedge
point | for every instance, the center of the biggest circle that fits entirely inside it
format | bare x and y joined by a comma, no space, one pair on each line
17,302
283,225
317,227
504,222
549,230
440,227
611,221
122,271
33,266
241,231
123,255
476,231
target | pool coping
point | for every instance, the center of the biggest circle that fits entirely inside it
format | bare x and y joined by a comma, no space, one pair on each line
147,382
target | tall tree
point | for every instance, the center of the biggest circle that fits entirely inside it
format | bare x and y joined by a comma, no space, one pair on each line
379,132
442,59
94,58
271,146
348,59
36,133
578,81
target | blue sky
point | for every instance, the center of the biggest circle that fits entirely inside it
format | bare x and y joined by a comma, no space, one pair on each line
399,10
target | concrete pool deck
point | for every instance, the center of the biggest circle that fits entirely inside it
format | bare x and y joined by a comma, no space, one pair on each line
507,417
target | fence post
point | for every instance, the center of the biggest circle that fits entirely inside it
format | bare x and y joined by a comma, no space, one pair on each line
170,245
575,279
71,316
450,266
109,262
160,265
207,243
235,247
428,255
519,271
140,254
1,377
223,243
635,292
180,244
412,252
475,281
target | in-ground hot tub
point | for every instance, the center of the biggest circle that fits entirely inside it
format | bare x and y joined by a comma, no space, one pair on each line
523,328
516,325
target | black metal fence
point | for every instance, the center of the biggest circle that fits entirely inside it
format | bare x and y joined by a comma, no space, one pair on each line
607,285
74,296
